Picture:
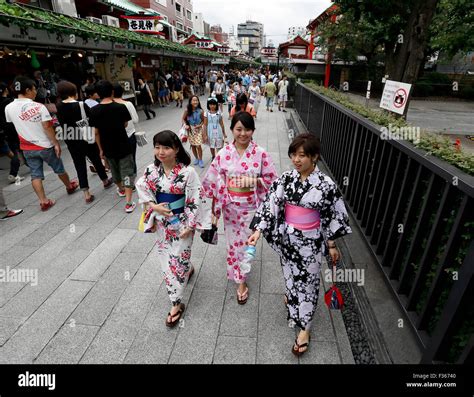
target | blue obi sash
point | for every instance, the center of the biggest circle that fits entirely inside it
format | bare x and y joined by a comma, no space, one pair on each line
176,201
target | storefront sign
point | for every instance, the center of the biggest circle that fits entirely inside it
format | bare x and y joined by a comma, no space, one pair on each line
223,50
142,24
269,51
206,44
220,61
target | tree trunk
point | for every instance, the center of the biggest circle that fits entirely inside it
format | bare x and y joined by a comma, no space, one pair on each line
405,63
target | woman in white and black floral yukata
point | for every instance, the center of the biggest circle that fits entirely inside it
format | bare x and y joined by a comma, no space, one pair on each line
169,187
303,211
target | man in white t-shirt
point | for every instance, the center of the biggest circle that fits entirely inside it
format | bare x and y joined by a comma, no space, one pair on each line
38,141
282,93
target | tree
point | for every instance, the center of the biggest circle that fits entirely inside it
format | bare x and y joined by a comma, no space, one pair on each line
398,28
452,30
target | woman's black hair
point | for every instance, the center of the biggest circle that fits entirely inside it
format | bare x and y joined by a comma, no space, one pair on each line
241,100
118,90
90,90
170,139
245,118
214,101
189,109
310,144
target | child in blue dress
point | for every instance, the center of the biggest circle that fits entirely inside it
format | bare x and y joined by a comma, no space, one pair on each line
213,131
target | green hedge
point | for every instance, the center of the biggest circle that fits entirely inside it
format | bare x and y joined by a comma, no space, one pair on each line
434,144
27,17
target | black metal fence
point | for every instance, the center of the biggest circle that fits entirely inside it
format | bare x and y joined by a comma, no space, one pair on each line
417,215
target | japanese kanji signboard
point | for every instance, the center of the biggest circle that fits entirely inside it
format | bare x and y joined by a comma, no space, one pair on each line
144,24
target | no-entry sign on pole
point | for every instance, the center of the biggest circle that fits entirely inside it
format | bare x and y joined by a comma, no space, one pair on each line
395,96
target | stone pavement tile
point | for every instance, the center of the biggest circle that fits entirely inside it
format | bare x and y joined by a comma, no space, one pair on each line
131,220
213,271
273,315
111,343
8,326
275,349
322,328
16,234
197,338
99,231
235,350
50,277
119,331
152,346
8,226
25,345
99,302
15,255
140,243
320,352
68,345
239,320
199,250
155,341
272,275
101,258
40,259
94,214
41,236
194,348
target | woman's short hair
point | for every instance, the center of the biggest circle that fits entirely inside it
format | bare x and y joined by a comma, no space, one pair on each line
310,144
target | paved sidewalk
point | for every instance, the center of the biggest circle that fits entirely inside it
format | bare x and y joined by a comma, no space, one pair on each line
100,296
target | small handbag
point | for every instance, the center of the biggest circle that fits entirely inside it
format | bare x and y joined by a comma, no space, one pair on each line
147,223
183,134
141,138
333,296
209,236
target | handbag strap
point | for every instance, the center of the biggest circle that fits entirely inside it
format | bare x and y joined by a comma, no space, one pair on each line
83,111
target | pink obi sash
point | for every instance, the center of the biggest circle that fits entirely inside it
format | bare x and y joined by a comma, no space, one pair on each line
302,218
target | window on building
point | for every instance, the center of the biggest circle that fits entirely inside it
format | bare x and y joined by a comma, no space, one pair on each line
188,15
161,2
178,8
179,25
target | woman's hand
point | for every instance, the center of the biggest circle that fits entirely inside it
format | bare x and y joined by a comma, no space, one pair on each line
186,232
254,238
334,254
162,209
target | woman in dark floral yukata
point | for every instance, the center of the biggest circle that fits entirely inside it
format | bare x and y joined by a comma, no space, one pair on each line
303,212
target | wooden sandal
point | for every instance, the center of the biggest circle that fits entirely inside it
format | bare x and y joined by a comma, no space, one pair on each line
297,351
242,298
179,313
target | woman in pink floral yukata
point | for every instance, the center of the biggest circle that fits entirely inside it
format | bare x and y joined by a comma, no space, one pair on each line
171,191
238,181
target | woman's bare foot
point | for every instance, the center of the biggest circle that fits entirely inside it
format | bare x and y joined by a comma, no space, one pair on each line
242,294
302,342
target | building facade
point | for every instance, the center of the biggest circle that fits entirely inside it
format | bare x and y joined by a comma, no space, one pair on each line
178,13
200,26
251,37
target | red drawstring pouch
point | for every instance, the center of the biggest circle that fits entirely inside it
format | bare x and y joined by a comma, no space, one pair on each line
333,296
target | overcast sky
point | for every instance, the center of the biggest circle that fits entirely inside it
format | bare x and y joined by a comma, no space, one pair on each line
276,15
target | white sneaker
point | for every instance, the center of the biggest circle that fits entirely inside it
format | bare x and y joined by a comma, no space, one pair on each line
15,179
129,207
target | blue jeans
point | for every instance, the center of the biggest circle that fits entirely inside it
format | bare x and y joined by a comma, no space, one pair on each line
269,101
35,159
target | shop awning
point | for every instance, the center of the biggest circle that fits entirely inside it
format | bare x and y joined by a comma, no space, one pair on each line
128,6
62,26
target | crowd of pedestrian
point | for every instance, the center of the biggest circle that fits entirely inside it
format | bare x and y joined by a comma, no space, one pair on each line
300,213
